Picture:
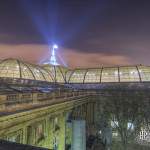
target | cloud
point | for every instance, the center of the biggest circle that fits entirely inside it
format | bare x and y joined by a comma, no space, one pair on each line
83,59
36,53
28,52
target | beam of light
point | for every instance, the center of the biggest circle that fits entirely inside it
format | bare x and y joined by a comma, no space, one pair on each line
82,22
44,17
63,62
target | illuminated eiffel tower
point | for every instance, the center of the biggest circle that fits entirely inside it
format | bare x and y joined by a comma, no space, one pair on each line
53,60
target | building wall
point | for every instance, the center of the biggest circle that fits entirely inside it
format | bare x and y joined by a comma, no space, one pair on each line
44,127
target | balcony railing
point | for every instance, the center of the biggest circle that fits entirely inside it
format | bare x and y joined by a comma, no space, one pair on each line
19,101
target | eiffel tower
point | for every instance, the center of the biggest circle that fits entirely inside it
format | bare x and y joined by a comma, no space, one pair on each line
53,60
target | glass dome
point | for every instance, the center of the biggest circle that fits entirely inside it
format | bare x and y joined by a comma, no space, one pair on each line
58,72
13,68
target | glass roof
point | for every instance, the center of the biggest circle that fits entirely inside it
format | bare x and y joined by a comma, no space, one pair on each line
13,68
92,75
109,74
77,76
58,72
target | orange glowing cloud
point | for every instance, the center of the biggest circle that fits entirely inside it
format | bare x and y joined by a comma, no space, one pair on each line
36,53
80,59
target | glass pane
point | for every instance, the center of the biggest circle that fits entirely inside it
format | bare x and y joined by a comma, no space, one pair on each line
110,75
38,75
51,70
26,73
92,76
46,75
144,72
68,73
128,74
59,76
9,68
77,76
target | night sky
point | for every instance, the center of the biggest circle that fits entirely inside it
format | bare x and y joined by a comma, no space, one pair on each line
90,33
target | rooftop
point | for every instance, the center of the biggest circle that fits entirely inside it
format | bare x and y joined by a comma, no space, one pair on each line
17,69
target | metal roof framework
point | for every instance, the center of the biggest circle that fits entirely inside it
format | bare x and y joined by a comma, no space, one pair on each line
17,72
